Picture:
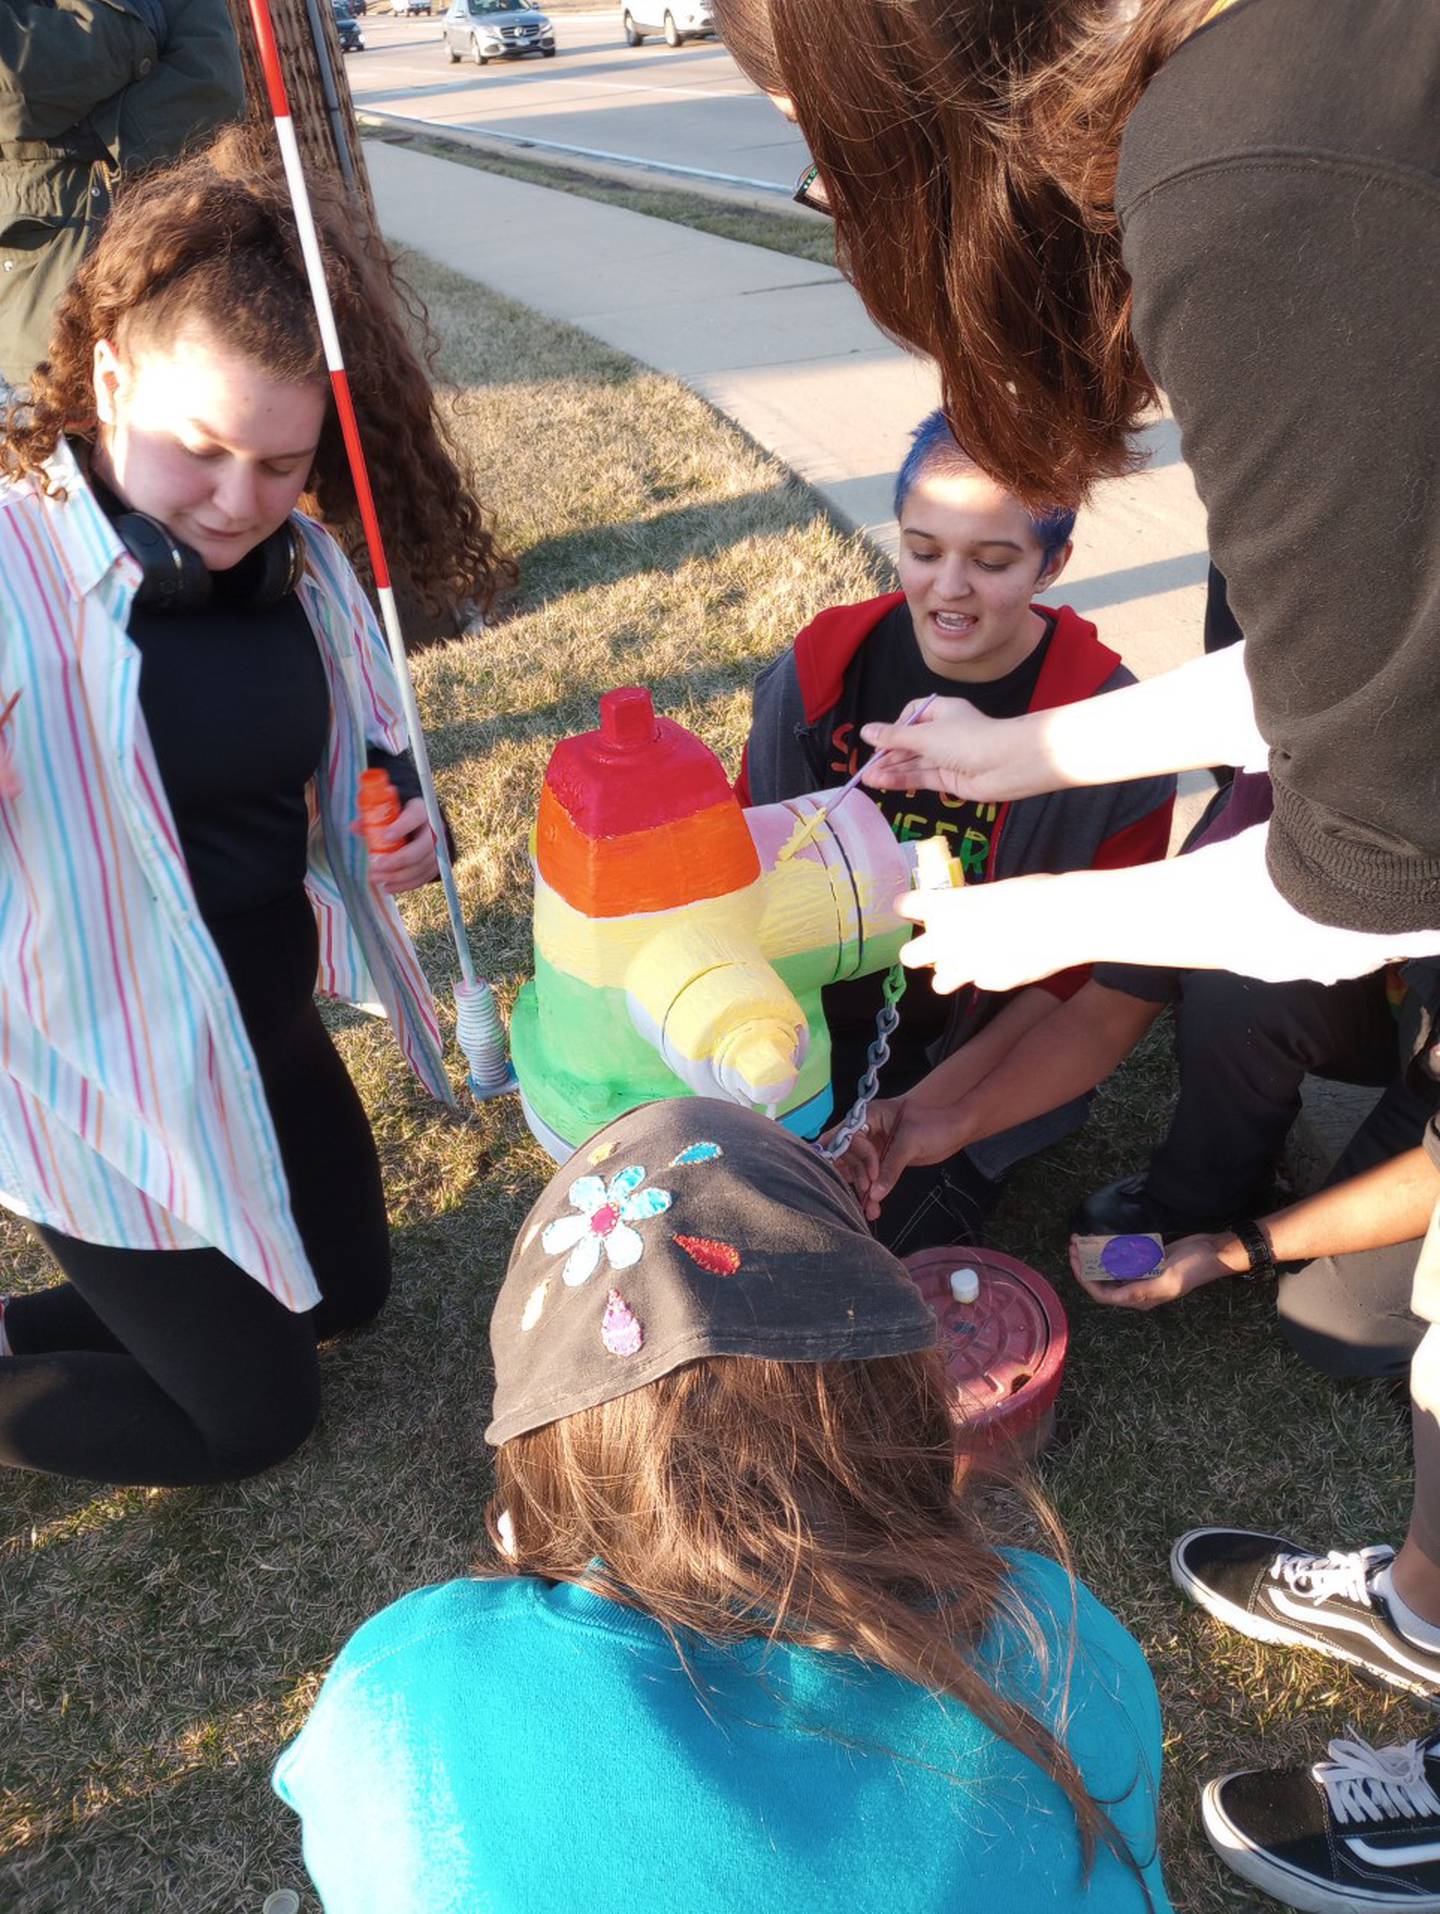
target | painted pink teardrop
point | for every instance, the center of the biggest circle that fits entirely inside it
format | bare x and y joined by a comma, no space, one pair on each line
721,1259
620,1331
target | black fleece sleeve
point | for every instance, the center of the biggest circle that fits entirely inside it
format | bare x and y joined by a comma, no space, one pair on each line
776,762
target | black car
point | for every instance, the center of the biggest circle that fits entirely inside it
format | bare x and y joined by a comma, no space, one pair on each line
348,27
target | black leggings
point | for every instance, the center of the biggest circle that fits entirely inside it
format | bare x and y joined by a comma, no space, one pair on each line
174,1366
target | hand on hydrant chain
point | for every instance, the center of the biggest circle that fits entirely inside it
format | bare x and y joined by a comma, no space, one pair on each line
1190,1262
411,861
900,1134
860,1165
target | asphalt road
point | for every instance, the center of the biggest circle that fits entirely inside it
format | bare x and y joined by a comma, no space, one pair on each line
688,109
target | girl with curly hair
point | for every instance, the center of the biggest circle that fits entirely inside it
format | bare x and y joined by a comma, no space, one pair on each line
200,684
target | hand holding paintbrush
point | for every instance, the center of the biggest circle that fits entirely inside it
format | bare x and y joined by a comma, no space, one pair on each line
806,831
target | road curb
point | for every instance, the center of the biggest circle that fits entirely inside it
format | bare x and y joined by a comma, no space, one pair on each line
619,169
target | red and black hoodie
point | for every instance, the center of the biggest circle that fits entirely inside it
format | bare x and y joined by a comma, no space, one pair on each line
792,749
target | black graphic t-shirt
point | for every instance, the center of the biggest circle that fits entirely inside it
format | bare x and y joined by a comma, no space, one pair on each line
887,672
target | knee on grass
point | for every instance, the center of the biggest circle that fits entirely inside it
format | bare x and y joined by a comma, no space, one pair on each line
250,1444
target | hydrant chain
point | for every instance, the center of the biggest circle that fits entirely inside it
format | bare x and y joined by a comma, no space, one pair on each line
876,1058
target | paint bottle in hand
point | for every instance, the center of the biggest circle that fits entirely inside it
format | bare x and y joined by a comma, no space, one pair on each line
379,807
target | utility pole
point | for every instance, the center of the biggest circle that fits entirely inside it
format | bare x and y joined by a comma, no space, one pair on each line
319,91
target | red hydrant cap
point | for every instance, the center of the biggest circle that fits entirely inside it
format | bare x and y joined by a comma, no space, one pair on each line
627,717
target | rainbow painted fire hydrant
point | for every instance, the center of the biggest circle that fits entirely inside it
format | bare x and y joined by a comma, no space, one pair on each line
681,943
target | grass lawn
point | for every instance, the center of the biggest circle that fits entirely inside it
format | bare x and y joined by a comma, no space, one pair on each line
161,1646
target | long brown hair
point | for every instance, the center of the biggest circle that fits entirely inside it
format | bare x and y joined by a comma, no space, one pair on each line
814,1503
969,151
212,241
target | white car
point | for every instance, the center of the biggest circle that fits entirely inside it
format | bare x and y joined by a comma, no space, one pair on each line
407,9
678,20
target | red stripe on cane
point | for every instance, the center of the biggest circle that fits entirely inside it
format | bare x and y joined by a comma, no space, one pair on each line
270,58
360,477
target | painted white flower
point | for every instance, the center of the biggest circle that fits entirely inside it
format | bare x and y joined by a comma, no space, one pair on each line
603,1223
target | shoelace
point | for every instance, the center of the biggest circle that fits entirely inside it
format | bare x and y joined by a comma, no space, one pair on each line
1315,1578
1362,1783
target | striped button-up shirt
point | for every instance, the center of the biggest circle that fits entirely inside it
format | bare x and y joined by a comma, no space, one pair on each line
131,1108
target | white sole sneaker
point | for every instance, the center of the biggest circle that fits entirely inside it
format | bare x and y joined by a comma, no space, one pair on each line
1264,1628
1294,1889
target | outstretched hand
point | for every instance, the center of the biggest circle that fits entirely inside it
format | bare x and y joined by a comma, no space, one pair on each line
899,1134
996,936
860,1165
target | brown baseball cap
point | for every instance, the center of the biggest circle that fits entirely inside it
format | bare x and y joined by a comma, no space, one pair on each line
689,1228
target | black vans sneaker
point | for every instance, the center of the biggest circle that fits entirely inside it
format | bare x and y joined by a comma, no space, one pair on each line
1359,1831
1275,1591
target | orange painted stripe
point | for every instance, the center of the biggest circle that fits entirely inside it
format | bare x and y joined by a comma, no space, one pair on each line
703,855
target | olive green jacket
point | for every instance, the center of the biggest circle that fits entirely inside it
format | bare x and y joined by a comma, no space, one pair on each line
91,89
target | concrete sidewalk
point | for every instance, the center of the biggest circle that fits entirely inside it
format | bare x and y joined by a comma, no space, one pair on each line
785,349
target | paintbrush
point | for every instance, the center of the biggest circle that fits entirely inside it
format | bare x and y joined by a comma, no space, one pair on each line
806,831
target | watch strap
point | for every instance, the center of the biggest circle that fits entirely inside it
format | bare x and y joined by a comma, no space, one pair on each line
1252,1240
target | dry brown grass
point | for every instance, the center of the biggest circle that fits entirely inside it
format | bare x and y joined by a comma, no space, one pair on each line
161,1647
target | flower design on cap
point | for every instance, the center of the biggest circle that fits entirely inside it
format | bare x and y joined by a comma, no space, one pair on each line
603,1225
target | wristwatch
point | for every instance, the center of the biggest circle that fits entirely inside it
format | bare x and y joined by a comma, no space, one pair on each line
1253,1241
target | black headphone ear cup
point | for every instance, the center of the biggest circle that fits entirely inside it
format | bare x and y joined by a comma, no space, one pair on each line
266,575
172,576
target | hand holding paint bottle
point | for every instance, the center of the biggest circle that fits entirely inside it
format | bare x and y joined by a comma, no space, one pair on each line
1142,1273
399,838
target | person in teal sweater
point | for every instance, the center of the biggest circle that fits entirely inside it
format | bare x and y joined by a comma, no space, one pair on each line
747,1645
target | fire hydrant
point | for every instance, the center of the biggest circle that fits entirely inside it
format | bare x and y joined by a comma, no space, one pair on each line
681,943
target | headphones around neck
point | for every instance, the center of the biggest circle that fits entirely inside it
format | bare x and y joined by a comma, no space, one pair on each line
174,578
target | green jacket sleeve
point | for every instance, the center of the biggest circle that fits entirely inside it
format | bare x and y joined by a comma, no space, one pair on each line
194,88
58,62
